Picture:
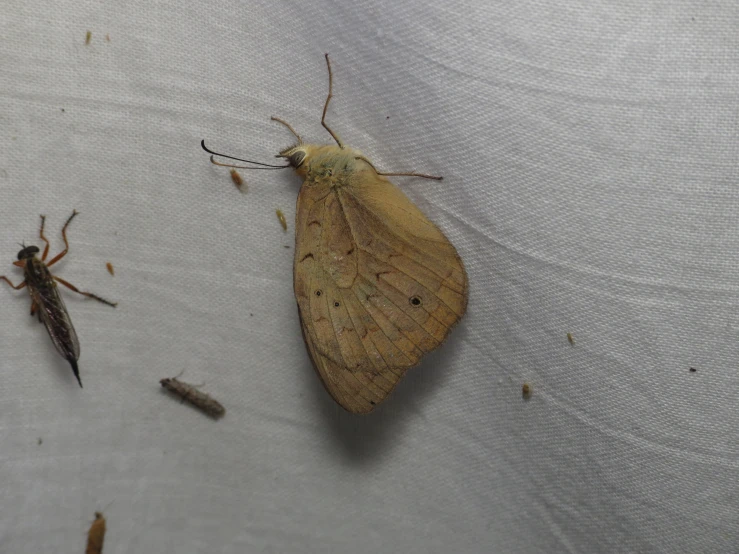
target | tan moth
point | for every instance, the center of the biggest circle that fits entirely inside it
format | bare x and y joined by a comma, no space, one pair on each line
190,393
378,285
96,535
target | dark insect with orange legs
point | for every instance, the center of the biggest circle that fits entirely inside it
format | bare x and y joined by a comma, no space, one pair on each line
46,302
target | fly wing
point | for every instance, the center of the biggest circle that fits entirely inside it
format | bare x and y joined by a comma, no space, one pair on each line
53,313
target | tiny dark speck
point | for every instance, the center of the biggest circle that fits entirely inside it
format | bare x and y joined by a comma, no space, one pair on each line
693,370
250,315
372,402
62,110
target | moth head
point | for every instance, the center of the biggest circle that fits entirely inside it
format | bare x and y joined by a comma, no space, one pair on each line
164,382
28,252
296,156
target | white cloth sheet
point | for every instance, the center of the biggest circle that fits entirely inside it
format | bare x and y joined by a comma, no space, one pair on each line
589,152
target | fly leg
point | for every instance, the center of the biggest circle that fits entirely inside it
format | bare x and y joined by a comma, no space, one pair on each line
63,253
16,287
70,286
43,238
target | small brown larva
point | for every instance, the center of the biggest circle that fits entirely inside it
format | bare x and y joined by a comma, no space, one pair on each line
96,535
570,338
191,394
236,178
282,219
526,391
110,268
88,37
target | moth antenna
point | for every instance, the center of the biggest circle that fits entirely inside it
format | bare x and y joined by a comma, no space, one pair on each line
328,99
106,507
244,166
286,124
209,151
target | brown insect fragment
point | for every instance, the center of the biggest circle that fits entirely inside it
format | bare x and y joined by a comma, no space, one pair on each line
236,178
191,394
570,338
96,535
526,391
110,268
88,37
282,219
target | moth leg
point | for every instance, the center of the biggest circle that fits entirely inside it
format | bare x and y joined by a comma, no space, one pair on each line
424,175
33,309
43,238
18,287
325,106
70,286
66,243
286,124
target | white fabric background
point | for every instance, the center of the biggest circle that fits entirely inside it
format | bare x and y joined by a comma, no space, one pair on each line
589,150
